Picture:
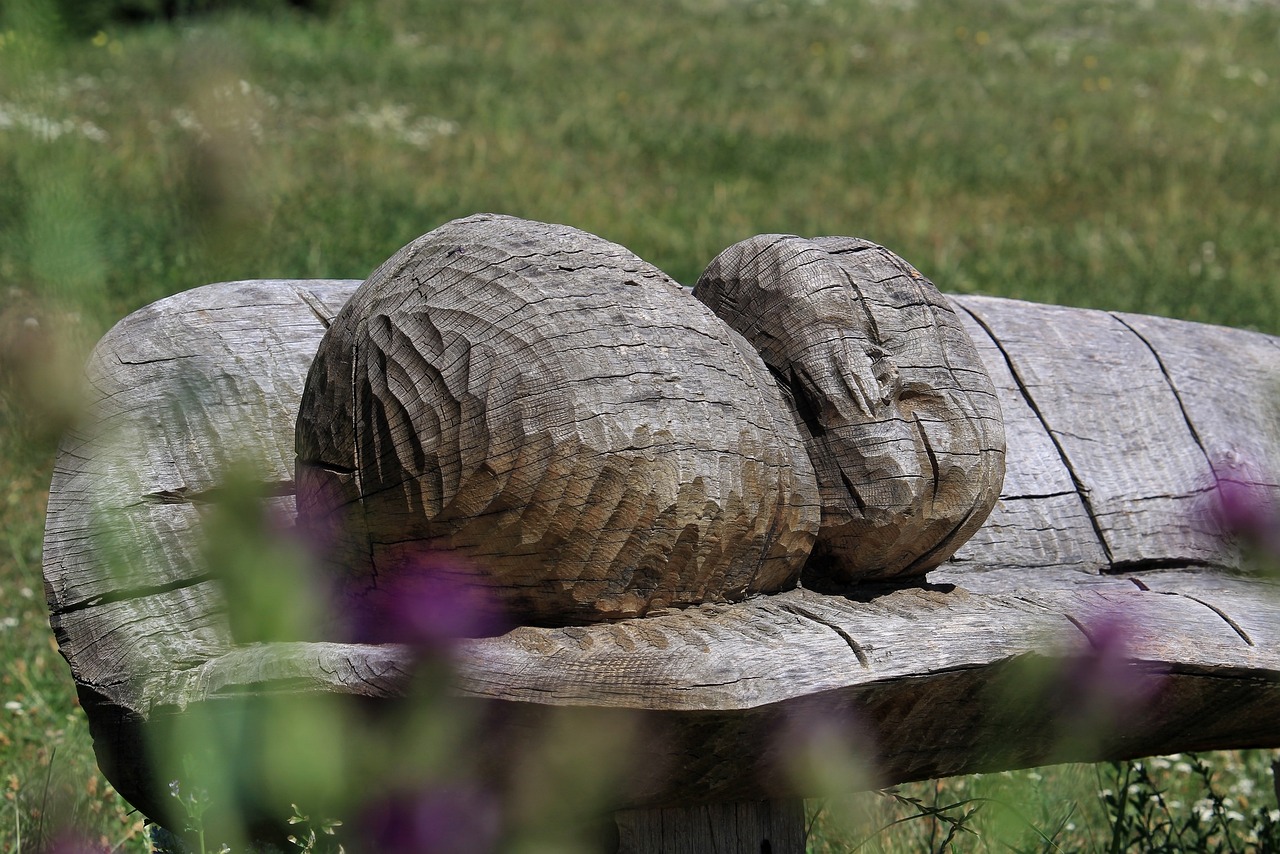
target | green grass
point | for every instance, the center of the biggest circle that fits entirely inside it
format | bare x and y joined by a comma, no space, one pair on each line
1119,155
1170,804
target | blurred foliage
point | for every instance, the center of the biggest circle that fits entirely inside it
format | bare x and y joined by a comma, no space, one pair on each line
86,17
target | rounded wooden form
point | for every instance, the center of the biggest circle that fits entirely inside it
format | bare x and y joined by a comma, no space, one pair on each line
536,415
899,416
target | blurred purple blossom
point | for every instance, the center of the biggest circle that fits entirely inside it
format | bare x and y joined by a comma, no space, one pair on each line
434,820
431,604
1106,685
823,748
73,843
1245,509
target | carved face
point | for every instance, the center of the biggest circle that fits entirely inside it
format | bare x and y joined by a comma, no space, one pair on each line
900,418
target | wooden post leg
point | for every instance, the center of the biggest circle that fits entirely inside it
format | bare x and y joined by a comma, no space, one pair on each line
760,827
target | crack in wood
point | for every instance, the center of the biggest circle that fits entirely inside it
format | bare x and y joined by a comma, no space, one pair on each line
213,495
1081,489
1164,370
926,559
845,636
1152,564
317,308
1038,496
1080,626
933,457
135,593
1221,613
158,361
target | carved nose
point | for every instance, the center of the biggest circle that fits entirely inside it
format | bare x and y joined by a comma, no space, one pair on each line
845,384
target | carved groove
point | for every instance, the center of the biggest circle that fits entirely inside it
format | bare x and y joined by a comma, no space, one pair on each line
540,416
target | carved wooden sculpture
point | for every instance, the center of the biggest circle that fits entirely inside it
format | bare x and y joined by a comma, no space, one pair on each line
898,414
561,421
1117,427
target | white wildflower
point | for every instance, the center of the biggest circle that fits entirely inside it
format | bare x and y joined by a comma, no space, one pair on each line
45,128
395,121
187,120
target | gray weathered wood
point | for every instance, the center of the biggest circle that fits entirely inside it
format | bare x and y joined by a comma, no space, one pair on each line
533,411
898,414
1081,536
1040,523
752,827
1118,426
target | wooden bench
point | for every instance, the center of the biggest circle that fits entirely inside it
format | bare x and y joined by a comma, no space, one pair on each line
1117,428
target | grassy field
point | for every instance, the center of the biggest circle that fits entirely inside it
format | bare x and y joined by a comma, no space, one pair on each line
1121,155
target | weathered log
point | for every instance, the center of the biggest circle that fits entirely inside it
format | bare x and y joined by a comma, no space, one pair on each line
1095,523
769,827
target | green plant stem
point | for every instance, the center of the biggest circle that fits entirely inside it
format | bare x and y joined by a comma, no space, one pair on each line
1119,827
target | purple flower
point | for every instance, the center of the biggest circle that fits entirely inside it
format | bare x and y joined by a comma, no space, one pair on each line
1243,508
822,748
1104,685
430,603
433,820
72,843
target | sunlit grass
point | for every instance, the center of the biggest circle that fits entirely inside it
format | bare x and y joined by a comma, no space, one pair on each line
1109,154
1119,155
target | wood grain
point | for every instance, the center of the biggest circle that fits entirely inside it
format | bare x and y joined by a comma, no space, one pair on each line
181,387
536,412
898,414
1139,485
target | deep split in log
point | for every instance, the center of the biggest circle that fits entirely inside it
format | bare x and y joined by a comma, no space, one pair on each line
1117,428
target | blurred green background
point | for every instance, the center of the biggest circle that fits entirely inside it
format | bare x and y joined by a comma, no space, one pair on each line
1121,155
